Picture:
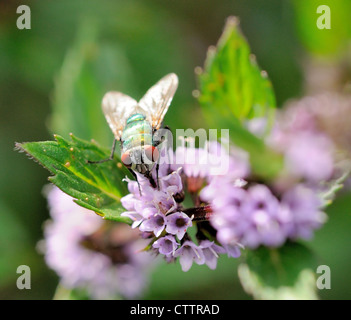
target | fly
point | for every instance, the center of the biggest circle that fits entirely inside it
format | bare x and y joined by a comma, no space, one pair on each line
135,125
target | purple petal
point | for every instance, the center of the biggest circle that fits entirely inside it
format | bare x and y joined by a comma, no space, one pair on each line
128,202
188,253
166,245
134,216
178,223
172,183
155,224
233,251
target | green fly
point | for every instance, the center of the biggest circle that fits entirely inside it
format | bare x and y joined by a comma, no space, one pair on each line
135,125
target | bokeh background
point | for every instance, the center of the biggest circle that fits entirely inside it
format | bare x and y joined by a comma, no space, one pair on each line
53,76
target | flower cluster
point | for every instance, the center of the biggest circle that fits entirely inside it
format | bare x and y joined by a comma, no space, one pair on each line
160,215
328,113
99,257
308,151
254,216
290,207
231,208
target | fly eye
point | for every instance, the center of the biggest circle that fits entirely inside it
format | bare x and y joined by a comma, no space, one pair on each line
151,153
126,160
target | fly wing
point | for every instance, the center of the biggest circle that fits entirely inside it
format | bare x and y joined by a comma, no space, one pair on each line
117,108
157,99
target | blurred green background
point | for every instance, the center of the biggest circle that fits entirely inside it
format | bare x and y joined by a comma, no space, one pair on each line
53,76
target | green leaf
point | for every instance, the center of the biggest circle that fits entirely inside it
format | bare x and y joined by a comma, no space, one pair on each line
98,187
233,90
232,84
284,273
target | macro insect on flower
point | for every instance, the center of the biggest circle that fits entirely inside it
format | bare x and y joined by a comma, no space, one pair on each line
136,124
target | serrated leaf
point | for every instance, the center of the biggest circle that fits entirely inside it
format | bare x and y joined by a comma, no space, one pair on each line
233,90
98,187
284,273
232,84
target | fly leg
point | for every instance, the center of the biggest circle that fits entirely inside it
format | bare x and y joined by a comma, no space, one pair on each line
151,179
157,168
136,179
109,158
160,136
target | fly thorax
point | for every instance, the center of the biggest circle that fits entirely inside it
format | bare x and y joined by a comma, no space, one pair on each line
137,132
137,148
